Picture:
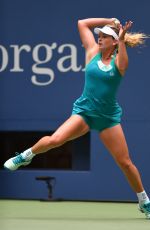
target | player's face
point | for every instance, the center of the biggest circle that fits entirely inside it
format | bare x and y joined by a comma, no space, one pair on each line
105,41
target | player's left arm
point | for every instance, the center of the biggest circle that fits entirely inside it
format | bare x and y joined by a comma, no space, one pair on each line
122,56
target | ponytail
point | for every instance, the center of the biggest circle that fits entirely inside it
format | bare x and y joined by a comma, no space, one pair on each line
135,39
132,39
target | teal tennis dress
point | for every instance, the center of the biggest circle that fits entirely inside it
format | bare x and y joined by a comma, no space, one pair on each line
97,104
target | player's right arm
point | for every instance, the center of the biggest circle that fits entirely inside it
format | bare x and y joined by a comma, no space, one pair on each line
85,27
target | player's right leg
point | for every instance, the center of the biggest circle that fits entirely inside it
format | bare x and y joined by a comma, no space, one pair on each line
72,128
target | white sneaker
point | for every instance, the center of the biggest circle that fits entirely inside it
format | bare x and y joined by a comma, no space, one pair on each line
15,162
145,208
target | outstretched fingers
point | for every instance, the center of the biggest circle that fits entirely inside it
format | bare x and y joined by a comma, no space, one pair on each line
124,28
127,25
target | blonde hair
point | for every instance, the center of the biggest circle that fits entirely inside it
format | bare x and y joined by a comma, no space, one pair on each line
135,39
132,39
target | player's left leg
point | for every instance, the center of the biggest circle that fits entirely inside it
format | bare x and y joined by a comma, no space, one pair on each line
114,140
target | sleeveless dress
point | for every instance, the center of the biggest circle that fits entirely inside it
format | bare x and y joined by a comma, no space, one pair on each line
97,105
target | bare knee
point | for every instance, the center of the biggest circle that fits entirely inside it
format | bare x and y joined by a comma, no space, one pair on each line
55,141
125,164
46,143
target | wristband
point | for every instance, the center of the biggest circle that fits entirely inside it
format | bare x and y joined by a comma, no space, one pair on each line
116,21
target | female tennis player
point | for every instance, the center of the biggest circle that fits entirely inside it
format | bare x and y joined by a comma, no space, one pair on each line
97,108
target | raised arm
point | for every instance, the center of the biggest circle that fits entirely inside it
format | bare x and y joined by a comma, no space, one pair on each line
85,26
122,56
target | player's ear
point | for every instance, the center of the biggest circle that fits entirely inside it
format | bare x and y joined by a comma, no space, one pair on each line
115,42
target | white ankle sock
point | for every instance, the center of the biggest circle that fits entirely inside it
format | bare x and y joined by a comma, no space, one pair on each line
142,197
27,154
